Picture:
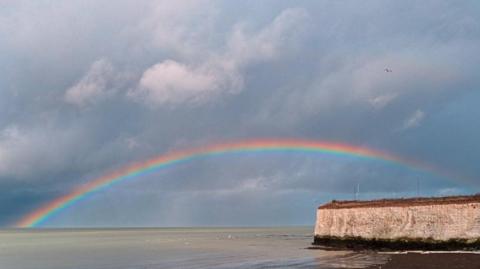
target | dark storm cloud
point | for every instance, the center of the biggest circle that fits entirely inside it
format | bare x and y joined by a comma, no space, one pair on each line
89,86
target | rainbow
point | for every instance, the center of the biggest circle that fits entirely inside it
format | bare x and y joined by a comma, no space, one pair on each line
41,215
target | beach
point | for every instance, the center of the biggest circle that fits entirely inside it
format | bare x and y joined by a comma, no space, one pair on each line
431,261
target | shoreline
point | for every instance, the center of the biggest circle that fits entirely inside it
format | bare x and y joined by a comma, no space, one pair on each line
430,261
398,244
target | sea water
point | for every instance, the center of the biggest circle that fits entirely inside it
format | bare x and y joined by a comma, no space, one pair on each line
171,248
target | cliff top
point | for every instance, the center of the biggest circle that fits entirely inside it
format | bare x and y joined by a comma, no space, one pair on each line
404,202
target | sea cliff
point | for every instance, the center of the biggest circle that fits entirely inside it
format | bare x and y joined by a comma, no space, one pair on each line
419,223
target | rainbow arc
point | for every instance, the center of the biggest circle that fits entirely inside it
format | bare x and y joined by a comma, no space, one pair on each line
42,214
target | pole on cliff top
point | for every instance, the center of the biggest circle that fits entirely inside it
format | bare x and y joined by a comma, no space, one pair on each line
356,191
418,187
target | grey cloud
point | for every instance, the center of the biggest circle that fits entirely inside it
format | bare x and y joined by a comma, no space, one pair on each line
175,28
79,80
414,120
26,153
171,82
93,86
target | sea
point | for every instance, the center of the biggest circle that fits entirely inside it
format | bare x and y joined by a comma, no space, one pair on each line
132,248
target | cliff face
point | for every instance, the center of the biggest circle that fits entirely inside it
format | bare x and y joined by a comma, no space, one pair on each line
442,221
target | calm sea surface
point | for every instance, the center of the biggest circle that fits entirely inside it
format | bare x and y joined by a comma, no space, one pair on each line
171,248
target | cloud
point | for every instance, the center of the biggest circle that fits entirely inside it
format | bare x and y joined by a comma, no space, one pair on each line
355,86
414,120
450,191
171,82
179,27
24,154
380,101
9,138
276,39
148,77
95,85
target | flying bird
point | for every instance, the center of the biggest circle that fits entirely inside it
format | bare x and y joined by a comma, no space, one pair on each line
388,70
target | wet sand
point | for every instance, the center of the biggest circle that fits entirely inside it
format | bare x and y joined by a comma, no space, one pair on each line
431,261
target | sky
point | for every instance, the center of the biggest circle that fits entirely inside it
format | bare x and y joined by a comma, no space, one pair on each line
87,87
